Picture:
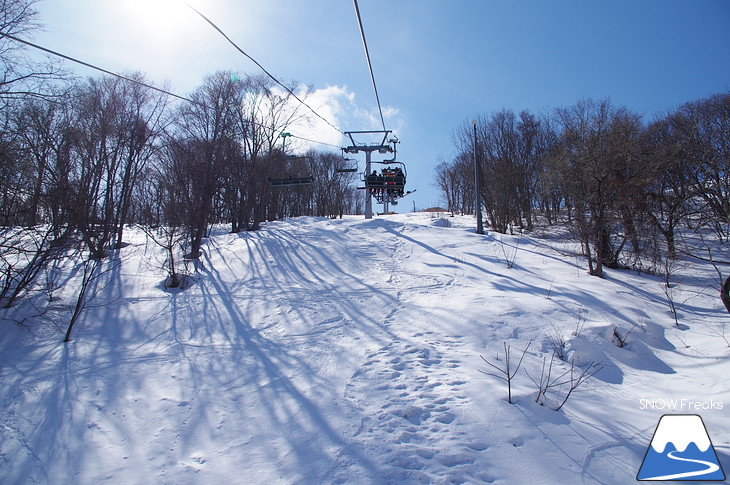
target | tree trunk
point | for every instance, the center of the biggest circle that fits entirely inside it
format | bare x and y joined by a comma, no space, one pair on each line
89,269
196,242
725,294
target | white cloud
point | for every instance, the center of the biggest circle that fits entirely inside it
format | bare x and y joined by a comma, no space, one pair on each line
340,107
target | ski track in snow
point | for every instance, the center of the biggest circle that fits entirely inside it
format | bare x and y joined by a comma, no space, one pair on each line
318,351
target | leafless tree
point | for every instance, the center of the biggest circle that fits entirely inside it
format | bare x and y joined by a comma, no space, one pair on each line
42,129
21,76
28,147
141,125
265,113
162,218
510,149
506,372
111,139
24,253
331,188
455,180
625,188
95,275
202,145
707,138
600,165
669,191
14,186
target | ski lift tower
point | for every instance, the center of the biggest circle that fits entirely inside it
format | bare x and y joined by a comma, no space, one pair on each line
385,146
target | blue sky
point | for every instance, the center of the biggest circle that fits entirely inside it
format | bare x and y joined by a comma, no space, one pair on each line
437,63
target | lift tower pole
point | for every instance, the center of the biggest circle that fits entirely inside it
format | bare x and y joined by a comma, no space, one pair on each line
368,149
368,198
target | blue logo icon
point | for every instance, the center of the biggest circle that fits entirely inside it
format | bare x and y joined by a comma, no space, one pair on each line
681,450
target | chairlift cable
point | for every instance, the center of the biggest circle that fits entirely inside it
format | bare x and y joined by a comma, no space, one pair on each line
370,65
315,141
77,61
144,84
212,24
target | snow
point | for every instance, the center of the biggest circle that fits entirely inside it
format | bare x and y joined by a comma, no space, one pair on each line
348,351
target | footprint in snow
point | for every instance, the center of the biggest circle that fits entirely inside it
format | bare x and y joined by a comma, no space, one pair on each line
409,396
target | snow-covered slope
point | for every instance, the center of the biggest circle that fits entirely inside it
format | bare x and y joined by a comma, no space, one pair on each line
348,351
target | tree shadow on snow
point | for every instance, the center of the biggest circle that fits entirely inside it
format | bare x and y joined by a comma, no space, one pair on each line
287,272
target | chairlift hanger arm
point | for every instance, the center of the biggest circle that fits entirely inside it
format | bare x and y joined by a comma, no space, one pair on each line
369,132
395,142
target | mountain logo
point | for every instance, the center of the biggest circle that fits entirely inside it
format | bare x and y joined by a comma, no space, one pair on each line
681,450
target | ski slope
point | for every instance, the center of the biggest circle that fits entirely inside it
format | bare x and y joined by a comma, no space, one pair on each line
348,351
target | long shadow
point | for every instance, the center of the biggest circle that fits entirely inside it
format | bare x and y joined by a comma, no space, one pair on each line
281,396
297,272
30,450
613,449
229,352
435,251
49,436
311,274
562,446
228,347
508,283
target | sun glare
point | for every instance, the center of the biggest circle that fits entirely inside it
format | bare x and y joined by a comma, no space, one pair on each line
162,19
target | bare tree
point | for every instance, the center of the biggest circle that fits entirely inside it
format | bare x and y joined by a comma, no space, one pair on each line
707,138
24,254
624,188
498,145
506,372
599,164
510,151
202,145
20,76
42,128
162,217
331,187
265,114
27,148
669,191
14,185
140,128
94,163
93,273
456,183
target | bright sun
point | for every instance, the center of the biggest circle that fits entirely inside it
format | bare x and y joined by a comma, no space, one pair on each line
165,20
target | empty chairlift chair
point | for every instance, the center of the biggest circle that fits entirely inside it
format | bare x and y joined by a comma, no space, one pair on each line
346,165
295,175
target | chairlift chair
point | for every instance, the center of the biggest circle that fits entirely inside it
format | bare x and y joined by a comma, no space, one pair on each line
277,182
390,184
292,178
346,165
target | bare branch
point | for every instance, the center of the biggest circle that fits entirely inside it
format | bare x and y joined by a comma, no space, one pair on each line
507,373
